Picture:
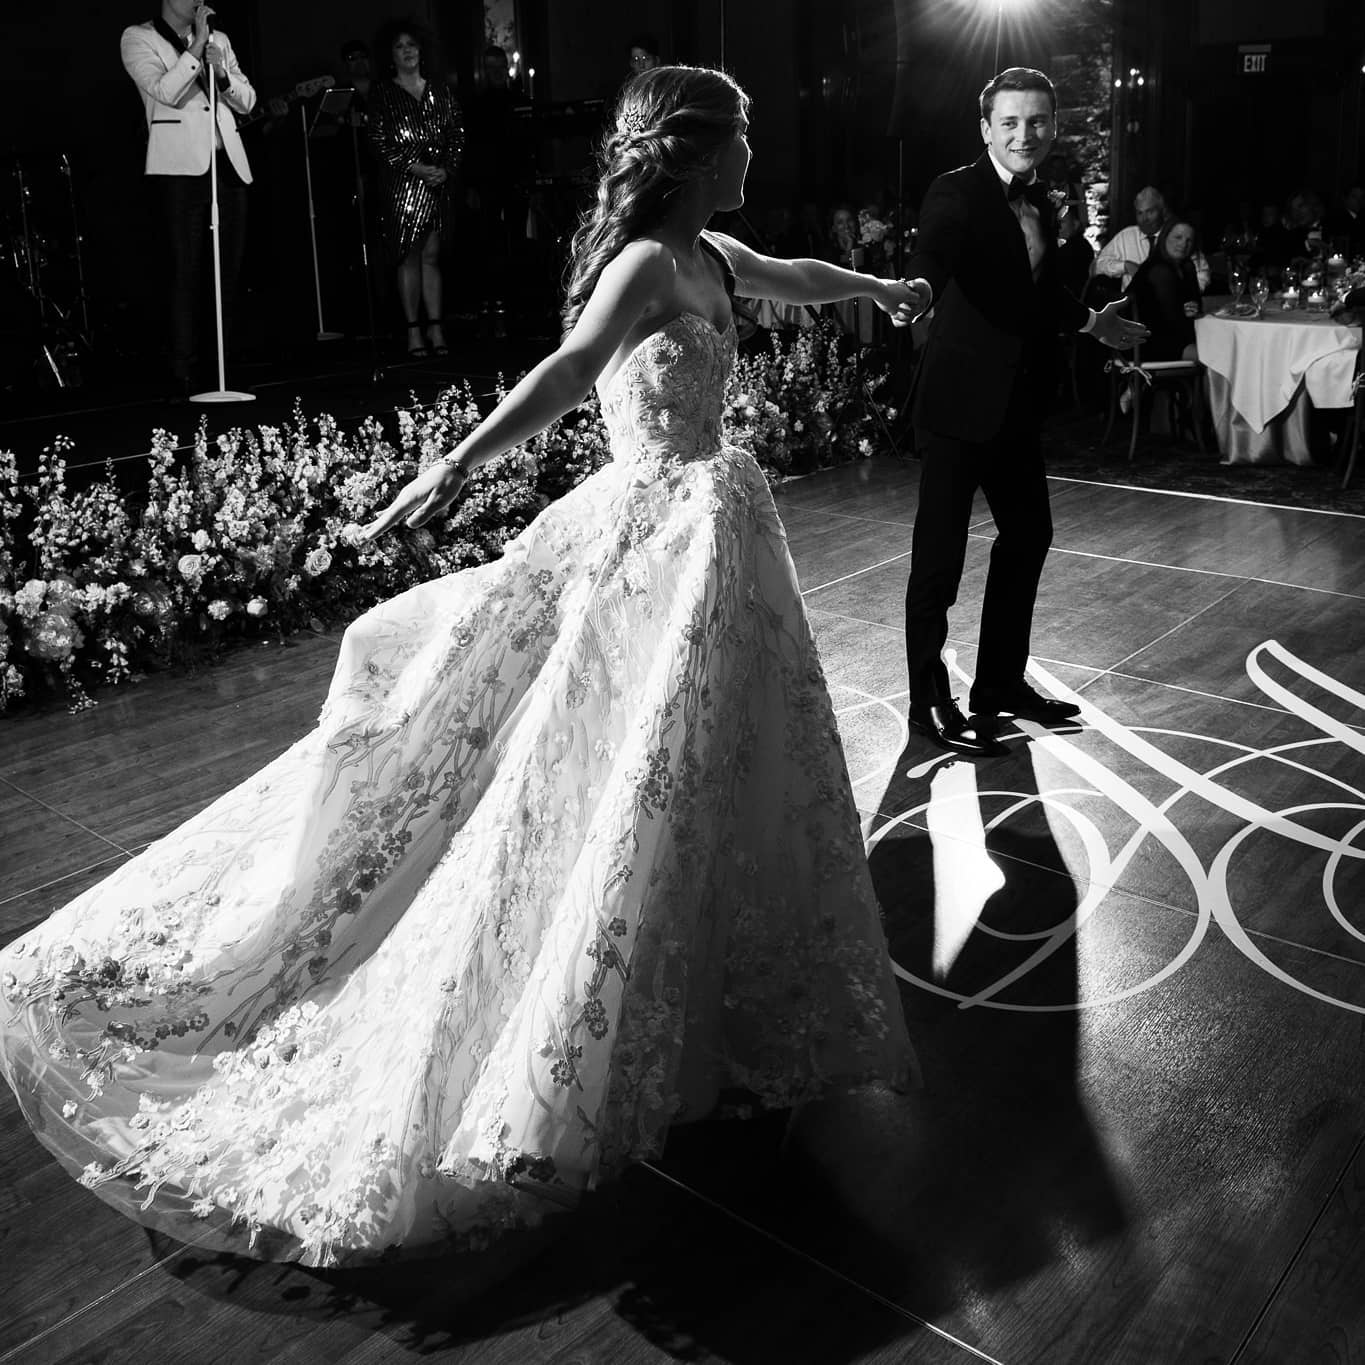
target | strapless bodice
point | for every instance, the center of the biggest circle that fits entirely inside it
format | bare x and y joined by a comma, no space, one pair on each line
668,395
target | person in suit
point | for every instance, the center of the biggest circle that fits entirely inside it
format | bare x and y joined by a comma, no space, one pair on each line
171,60
987,258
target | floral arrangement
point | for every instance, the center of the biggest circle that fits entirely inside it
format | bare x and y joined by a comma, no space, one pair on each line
251,535
803,403
871,230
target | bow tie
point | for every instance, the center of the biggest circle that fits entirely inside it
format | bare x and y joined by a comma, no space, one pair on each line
1034,191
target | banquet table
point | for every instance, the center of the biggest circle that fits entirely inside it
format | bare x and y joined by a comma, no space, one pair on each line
1266,374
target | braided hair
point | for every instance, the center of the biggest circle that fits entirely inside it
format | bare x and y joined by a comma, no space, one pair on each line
670,126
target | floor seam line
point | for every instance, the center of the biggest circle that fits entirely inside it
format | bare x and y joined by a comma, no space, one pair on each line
1299,1250
62,815
810,1259
13,1352
1147,899
75,872
1166,634
1207,497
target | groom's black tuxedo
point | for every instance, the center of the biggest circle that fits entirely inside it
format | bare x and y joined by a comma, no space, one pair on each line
981,392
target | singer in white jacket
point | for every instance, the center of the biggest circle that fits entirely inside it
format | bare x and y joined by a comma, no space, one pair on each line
171,60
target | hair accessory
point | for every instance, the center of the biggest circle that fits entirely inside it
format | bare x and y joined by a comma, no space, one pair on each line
632,123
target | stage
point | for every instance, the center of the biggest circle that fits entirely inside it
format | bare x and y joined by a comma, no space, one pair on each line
1132,957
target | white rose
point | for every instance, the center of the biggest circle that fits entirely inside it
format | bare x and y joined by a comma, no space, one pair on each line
190,566
318,561
201,540
257,607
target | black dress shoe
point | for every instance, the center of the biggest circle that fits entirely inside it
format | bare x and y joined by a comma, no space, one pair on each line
1022,701
945,724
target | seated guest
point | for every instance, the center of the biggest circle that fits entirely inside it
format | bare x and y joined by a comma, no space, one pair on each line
1351,310
643,53
1165,294
1272,246
1349,222
1307,230
1121,255
843,235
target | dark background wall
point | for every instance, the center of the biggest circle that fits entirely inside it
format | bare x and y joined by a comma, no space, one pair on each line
851,97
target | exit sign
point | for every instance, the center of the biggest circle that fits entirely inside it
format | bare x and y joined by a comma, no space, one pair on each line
1253,59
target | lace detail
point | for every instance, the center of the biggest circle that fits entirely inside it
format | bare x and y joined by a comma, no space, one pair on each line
571,846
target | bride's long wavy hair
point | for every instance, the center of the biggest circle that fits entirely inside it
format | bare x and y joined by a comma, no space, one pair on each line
670,126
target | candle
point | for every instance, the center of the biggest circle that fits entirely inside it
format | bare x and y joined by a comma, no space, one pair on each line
531,81
1336,261
1317,300
1291,297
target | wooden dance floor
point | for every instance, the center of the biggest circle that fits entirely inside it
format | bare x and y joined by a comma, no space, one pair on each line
1132,956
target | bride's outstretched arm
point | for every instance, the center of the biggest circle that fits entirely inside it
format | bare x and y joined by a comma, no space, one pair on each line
636,285
811,281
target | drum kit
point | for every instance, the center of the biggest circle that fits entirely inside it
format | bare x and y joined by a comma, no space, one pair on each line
44,308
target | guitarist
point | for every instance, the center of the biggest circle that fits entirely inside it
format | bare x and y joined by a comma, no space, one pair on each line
171,60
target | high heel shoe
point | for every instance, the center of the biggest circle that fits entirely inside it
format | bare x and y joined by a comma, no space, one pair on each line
436,340
419,350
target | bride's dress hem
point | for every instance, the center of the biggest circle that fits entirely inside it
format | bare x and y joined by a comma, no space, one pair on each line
573,837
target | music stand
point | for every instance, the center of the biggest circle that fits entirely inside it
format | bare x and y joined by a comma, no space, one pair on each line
222,394
333,102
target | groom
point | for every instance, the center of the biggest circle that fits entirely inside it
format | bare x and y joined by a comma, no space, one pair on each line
987,258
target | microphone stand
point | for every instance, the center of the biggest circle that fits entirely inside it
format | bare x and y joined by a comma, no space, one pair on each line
322,333
376,368
222,394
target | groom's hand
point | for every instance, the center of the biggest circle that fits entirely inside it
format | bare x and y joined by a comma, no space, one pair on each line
904,300
1118,332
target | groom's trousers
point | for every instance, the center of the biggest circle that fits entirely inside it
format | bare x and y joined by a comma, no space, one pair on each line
1009,471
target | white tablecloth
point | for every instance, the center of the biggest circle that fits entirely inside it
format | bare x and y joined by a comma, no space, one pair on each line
1264,373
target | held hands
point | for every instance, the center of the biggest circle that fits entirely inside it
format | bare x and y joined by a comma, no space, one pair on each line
420,499
1116,331
432,176
213,56
1191,309
903,300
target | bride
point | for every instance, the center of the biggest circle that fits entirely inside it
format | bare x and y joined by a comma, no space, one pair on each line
570,851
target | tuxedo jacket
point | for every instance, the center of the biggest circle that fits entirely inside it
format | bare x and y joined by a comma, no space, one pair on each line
179,134
994,325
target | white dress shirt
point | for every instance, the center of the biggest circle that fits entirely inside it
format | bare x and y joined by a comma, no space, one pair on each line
1131,244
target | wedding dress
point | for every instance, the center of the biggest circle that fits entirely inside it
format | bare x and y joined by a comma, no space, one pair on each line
571,848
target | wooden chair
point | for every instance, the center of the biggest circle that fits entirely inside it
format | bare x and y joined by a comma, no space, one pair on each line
1352,437
1138,376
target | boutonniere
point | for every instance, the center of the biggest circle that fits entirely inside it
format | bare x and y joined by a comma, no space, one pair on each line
1058,199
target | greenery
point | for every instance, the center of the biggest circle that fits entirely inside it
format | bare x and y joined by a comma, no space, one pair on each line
251,535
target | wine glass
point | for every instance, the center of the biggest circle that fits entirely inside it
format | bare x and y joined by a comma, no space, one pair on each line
1260,292
1237,282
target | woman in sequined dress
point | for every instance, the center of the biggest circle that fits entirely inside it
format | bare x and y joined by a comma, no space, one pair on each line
571,851
417,134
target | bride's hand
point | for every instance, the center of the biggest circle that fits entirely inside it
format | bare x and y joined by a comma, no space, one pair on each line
903,300
420,499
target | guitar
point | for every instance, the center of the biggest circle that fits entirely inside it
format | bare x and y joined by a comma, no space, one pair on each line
277,106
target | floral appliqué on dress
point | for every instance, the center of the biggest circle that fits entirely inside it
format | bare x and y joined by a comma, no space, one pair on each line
571,846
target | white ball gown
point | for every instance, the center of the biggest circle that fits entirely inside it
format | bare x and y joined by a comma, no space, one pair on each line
571,846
